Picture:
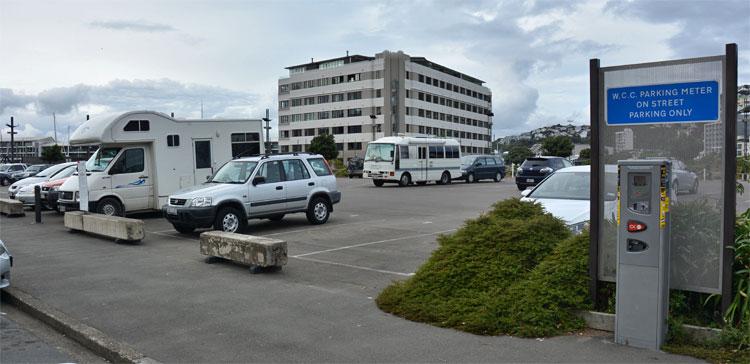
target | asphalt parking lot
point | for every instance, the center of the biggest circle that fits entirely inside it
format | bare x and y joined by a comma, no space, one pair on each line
163,299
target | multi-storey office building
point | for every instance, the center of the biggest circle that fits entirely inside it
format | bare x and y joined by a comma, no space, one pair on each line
358,99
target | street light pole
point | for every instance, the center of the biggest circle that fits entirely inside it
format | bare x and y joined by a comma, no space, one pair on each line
12,132
268,132
489,126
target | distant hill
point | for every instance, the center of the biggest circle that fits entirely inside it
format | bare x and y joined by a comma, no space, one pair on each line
578,133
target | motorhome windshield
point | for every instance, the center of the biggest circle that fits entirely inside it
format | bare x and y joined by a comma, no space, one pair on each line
234,172
379,152
101,159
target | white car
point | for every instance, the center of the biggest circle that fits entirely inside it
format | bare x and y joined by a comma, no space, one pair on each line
25,194
566,193
6,261
42,176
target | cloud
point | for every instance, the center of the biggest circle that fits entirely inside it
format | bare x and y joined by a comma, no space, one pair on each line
133,25
11,100
62,100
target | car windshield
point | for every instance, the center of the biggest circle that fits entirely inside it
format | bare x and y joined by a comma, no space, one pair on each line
535,163
35,168
50,171
65,172
234,172
468,160
101,159
573,186
379,152
4,167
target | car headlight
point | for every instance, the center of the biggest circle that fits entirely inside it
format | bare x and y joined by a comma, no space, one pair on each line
201,202
578,227
546,170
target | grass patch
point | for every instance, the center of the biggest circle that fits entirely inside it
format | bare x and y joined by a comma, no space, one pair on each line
514,270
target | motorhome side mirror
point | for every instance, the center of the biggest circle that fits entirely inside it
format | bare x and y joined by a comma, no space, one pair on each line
208,178
259,180
526,192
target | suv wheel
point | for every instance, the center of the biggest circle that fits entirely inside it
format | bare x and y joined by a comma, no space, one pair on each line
318,211
110,207
498,177
470,178
183,229
230,220
405,180
378,182
521,187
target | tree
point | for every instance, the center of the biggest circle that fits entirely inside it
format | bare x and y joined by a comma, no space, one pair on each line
560,146
518,153
585,154
325,145
52,154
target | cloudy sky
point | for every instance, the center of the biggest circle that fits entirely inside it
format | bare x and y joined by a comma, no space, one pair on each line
74,58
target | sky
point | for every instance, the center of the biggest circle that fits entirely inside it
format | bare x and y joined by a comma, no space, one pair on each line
74,58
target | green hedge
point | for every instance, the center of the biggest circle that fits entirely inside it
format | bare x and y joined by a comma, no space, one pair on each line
514,270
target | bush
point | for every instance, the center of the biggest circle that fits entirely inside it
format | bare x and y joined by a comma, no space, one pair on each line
513,270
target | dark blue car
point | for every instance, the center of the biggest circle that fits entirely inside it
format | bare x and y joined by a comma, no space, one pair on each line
534,170
479,167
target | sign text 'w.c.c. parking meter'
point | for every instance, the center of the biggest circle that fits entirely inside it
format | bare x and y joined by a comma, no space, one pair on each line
642,252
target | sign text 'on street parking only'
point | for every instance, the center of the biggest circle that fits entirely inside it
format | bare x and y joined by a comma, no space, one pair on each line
688,102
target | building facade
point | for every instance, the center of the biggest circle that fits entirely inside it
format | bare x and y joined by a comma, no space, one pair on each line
358,99
624,140
29,150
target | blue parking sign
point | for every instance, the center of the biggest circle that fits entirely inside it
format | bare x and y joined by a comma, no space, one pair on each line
687,102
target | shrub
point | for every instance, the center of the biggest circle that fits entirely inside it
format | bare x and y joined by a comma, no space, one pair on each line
513,270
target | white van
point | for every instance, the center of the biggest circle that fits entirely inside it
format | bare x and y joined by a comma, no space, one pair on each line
144,156
406,160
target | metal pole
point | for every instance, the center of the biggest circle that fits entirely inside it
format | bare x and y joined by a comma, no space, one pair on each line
594,83
12,132
38,204
268,135
54,125
730,172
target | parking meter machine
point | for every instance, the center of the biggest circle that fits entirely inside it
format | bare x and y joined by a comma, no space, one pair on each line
642,252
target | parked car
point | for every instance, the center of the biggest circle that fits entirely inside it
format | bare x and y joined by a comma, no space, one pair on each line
566,193
258,187
50,193
42,176
26,193
683,180
7,170
354,167
535,169
6,261
29,172
479,167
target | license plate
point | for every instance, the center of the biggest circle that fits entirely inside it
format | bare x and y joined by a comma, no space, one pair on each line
62,208
530,180
171,210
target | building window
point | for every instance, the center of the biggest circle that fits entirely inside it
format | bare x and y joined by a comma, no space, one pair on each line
285,134
322,131
353,112
337,97
421,129
297,132
284,119
331,64
173,140
283,89
420,96
379,92
245,144
296,102
435,82
284,104
324,115
337,114
378,110
322,99
420,77
442,84
284,149
296,148
338,130
337,80
354,95
137,125
428,114
420,113
309,116
354,146
310,100
353,129
310,132
408,112
339,147
428,80
353,77
428,98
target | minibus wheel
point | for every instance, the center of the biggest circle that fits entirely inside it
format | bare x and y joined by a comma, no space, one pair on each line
378,182
405,180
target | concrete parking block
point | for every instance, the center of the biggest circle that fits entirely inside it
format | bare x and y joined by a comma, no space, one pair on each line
74,220
246,249
122,228
11,207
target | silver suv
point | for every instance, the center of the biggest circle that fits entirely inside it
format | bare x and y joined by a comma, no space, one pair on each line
263,187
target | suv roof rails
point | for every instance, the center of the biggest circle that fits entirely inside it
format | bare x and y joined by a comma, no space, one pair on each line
264,156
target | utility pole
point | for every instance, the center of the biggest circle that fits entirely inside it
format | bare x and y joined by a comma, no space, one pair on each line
12,132
268,132
54,125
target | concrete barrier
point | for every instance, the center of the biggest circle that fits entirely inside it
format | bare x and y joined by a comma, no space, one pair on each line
121,228
256,251
73,220
606,322
11,207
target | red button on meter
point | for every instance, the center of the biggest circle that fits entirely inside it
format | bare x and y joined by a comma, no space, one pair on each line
635,226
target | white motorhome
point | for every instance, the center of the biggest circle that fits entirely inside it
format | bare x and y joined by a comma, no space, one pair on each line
406,160
144,156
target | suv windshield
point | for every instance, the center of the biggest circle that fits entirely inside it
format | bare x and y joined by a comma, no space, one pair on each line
535,163
101,159
379,152
234,172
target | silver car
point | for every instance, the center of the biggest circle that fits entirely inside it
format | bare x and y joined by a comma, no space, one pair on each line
42,176
6,261
260,187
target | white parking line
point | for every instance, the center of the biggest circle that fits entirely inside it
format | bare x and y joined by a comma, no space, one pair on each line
372,243
354,266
